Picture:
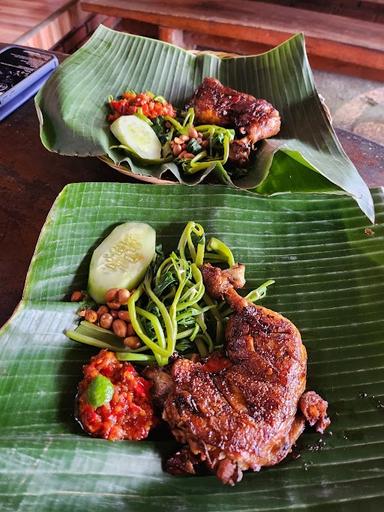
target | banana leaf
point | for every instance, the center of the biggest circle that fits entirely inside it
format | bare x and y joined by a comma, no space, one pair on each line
328,264
306,156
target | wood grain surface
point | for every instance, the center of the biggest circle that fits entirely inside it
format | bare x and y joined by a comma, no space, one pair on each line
335,37
18,17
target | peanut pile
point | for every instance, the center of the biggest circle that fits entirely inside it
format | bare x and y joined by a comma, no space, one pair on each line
112,316
179,144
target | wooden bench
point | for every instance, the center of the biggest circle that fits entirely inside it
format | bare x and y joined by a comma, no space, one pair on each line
244,26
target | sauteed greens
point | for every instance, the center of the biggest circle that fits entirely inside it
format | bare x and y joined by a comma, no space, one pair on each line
153,139
170,310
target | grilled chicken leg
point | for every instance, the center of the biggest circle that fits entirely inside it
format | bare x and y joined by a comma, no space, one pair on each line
239,411
256,119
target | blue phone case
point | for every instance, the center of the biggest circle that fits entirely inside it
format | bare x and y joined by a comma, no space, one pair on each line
25,89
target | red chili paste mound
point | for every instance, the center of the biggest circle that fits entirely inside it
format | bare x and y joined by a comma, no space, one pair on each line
129,414
131,102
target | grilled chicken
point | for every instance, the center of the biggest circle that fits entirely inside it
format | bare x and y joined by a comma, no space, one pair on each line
253,118
239,410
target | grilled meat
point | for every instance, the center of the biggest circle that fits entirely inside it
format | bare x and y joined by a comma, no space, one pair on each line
162,384
314,409
253,118
239,411
182,462
239,152
221,282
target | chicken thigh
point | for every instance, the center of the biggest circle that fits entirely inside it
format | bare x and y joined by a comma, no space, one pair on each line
253,118
239,410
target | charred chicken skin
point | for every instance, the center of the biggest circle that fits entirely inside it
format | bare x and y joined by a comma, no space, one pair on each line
253,118
240,410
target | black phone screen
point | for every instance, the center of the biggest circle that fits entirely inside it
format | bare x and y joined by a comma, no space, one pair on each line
17,64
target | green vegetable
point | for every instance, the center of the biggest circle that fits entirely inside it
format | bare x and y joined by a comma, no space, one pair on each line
163,133
122,259
167,279
137,358
143,117
91,334
194,147
220,248
217,154
100,391
160,99
137,137
170,310
218,139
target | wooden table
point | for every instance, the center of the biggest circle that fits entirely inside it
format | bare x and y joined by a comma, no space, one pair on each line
31,178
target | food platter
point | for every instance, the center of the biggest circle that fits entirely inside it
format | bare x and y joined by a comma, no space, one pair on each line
305,156
328,264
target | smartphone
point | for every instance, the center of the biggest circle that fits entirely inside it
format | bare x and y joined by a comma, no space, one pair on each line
22,72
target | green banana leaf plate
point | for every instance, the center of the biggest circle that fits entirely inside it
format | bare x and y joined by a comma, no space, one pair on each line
306,156
328,264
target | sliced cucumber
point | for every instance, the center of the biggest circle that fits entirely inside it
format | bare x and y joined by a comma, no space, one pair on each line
137,136
122,259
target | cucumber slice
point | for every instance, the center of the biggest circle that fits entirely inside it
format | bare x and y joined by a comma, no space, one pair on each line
137,136
122,259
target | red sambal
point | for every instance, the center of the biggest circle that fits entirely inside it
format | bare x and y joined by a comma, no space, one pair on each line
127,411
151,106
